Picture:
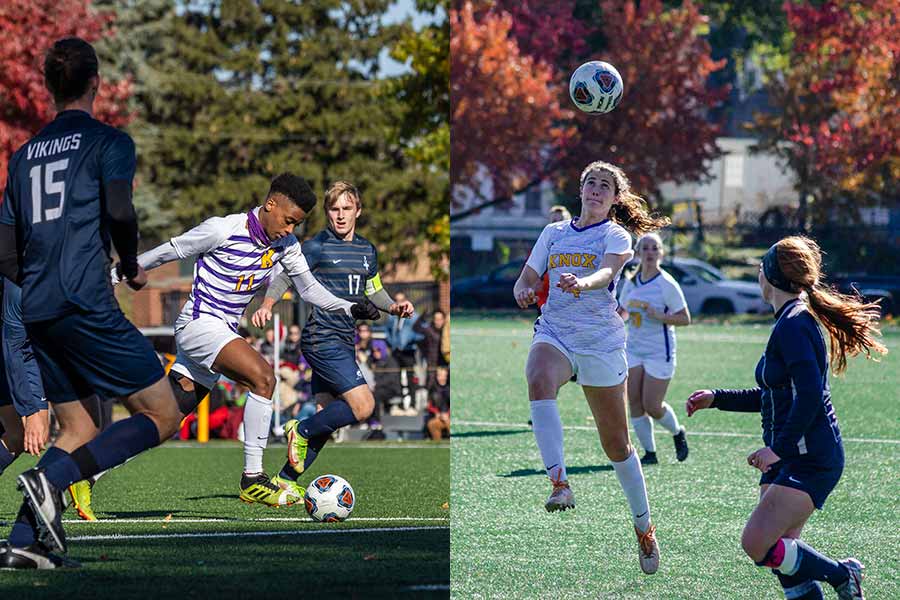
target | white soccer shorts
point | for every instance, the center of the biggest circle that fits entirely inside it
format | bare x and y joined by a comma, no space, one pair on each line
199,342
606,370
658,368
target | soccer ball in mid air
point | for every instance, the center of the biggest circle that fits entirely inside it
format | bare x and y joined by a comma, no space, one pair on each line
329,498
596,87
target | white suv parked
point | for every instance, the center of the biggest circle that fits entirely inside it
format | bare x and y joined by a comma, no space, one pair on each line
708,291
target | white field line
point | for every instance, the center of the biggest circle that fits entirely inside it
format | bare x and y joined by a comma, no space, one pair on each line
657,432
224,534
526,332
260,520
333,445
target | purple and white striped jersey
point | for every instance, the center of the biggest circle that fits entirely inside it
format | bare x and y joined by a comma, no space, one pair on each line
235,258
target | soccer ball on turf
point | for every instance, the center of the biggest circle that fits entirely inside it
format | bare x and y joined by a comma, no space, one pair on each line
329,498
596,87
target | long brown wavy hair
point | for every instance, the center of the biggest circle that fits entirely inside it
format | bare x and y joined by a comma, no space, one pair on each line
852,323
631,211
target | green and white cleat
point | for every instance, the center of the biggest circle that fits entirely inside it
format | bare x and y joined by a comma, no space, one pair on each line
297,444
80,491
270,492
290,486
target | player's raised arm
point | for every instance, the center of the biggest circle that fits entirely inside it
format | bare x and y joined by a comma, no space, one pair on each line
525,288
378,296
202,238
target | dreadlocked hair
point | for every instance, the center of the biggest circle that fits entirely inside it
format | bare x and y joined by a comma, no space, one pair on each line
631,211
851,322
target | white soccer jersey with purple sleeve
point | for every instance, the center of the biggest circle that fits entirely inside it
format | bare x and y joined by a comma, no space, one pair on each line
235,258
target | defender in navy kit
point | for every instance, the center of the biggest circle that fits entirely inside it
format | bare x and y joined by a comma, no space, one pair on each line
347,265
67,199
803,457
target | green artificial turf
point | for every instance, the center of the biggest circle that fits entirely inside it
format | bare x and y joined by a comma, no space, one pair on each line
171,526
504,545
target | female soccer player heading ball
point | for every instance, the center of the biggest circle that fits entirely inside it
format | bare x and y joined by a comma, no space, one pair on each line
803,457
579,333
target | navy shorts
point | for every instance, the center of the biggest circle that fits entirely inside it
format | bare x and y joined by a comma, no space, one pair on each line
815,480
334,368
83,353
20,379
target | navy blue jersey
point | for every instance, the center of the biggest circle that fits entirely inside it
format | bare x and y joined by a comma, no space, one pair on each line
793,396
55,199
349,270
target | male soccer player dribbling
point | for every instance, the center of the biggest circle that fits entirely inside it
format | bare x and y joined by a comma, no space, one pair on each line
68,195
347,265
236,256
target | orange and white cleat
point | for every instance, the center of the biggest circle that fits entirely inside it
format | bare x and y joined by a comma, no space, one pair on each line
648,550
562,497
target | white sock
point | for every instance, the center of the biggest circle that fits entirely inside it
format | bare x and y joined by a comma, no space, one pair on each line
257,420
631,478
643,428
669,420
548,433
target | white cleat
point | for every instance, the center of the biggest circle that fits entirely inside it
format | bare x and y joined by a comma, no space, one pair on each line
648,550
562,497
852,588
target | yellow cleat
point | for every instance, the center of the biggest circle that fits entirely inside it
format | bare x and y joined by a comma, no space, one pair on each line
80,491
270,492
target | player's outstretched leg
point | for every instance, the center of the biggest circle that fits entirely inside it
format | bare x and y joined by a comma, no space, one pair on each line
608,408
546,371
771,539
80,494
306,438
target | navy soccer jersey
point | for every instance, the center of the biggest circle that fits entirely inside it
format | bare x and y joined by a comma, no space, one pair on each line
55,199
347,269
793,397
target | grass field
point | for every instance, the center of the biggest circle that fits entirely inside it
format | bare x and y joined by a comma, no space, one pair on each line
172,526
504,544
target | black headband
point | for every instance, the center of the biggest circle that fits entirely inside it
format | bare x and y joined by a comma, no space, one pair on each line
772,271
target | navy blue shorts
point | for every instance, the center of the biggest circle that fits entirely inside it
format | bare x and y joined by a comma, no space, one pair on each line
83,353
815,480
334,368
20,379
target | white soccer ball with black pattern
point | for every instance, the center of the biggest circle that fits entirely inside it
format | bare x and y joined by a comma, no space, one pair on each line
329,498
596,87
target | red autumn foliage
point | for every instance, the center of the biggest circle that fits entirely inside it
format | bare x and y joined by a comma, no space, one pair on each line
29,28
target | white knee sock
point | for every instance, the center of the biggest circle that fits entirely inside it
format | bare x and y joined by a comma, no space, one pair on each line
669,420
257,420
631,478
548,433
643,428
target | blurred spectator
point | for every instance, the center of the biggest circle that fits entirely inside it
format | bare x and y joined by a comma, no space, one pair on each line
387,378
431,339
267,348
236,399
445,340
296,401
438,420
364,352
290,350
402,337
363,342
